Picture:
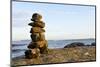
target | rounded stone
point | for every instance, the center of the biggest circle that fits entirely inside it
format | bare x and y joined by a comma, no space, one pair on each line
37,24
42,45
37,30
32,53
35,37
32,45
36,17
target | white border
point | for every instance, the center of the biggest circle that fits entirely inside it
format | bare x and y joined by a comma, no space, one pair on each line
5,33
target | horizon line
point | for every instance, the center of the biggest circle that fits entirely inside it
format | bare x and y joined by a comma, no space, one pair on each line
56,39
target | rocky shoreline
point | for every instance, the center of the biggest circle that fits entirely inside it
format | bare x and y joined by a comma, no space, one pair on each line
60,55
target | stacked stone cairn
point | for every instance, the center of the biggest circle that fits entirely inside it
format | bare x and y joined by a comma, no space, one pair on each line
38,45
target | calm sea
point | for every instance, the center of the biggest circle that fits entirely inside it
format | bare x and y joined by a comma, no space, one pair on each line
19,47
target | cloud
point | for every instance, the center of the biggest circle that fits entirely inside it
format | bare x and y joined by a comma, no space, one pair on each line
21,18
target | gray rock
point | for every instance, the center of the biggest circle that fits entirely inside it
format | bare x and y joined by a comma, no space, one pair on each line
93,44
75,44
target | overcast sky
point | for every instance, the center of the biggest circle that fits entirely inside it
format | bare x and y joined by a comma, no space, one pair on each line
62,21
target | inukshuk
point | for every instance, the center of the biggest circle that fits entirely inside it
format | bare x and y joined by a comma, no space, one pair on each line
38,45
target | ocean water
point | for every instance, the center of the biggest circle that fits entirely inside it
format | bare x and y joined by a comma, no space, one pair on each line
18,47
